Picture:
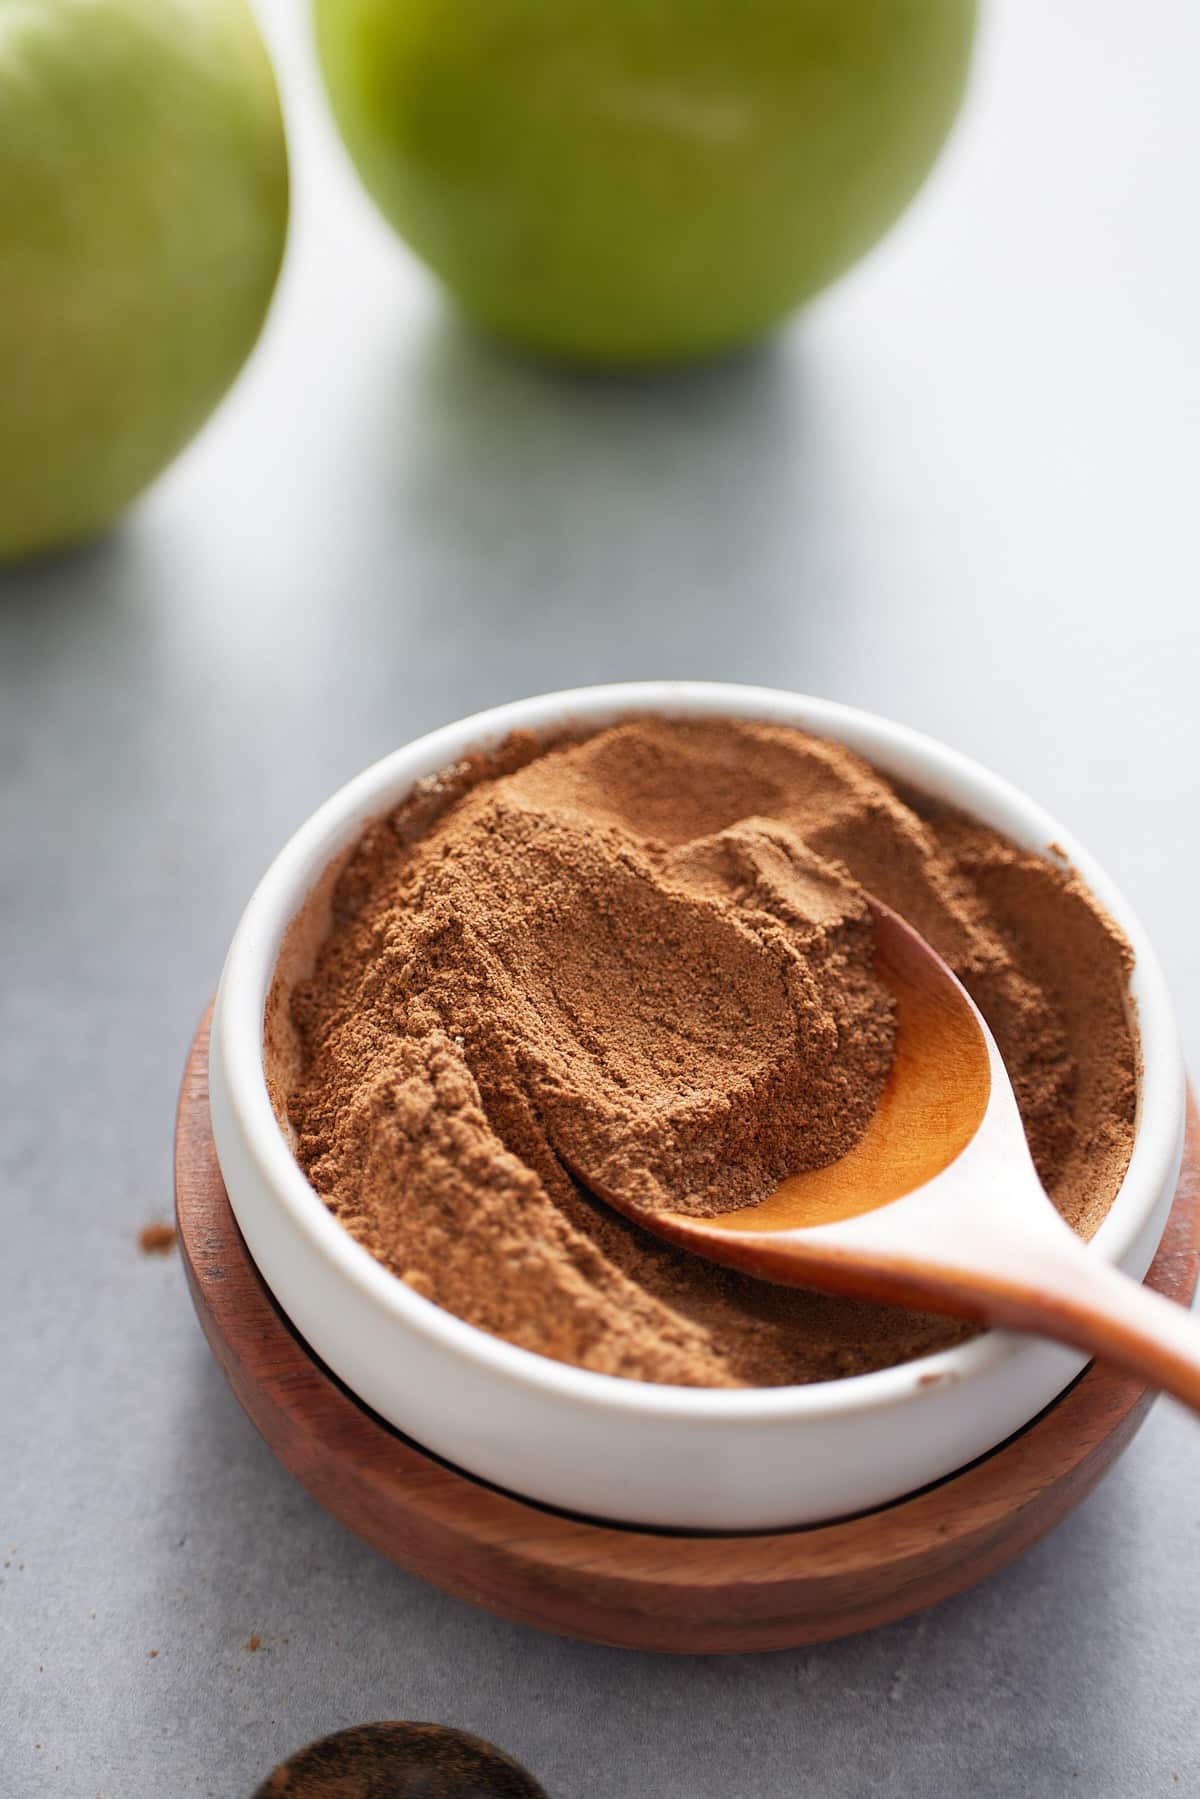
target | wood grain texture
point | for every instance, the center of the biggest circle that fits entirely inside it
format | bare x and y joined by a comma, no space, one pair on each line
640,1588
400,1760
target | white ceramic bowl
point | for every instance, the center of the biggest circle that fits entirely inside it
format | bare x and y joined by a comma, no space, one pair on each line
628,1450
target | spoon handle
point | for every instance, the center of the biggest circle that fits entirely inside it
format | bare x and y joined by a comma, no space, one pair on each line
1069,1292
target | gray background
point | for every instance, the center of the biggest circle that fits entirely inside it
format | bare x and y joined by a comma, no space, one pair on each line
961,491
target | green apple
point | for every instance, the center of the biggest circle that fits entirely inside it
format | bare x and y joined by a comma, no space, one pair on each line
143,212
638,181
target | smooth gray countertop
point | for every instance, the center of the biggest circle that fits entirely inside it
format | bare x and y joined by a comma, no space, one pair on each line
961,491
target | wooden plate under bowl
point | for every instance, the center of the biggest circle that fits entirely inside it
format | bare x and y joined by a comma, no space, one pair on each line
641,1589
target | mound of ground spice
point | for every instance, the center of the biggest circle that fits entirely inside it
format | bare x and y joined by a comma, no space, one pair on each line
641,962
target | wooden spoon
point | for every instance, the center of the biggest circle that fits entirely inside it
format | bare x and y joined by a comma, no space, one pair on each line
939,1205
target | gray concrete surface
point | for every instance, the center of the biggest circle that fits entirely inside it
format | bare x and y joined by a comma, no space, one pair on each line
961,491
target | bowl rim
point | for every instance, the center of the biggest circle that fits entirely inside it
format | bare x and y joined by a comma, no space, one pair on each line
899,750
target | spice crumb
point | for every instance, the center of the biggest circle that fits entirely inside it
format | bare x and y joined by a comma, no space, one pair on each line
157,1239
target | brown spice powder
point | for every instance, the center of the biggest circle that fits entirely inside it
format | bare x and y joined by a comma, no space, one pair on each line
642,960
156,1239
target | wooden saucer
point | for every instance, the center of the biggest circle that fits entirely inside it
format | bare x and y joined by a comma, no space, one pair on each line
643,1589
